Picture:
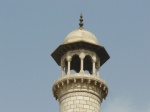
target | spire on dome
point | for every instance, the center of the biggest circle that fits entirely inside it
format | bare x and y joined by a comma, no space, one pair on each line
81,21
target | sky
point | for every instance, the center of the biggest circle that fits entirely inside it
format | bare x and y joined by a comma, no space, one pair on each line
30,30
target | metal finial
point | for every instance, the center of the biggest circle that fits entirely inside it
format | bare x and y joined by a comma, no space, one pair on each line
81,21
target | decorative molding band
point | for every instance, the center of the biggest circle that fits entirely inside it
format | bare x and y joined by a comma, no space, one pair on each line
80,83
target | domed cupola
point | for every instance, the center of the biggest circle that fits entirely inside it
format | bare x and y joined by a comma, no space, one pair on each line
81,35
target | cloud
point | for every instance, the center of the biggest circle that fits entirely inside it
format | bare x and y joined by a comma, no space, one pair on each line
124,104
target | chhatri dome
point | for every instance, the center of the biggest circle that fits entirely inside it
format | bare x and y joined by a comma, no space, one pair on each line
81,35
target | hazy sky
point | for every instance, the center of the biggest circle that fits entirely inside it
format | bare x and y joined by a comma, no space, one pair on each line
30,30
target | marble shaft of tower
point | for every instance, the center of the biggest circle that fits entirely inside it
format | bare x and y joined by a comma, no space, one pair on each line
80,88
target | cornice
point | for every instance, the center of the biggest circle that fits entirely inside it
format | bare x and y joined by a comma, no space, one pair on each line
80,82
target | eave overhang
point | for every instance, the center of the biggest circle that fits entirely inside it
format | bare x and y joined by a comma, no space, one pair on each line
64,48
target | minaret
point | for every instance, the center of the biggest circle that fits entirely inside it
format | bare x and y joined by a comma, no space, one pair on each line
80,88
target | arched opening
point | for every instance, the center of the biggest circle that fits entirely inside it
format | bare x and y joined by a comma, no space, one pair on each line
86,72
72,71
75,63
87,66
66,67
97,67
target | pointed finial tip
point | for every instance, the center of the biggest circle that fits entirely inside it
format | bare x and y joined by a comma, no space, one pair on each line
81,21
81,15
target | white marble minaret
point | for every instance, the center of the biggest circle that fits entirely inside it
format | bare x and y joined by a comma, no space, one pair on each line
80,88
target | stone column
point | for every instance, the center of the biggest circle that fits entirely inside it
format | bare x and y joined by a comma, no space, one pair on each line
62,67
98,72
82,56
98,68
69,60
93,60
